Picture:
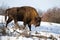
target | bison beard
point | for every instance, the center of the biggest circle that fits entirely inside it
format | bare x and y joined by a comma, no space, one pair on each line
26,14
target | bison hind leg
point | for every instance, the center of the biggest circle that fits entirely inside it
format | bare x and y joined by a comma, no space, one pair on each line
8,21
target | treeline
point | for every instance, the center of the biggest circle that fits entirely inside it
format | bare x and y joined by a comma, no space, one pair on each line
52,15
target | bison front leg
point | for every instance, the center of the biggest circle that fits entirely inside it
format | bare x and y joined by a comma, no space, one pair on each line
29,27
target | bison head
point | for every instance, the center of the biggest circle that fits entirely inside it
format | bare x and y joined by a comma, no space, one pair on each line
36,21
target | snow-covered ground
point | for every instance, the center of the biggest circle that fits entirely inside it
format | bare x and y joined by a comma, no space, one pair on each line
45,30
45,26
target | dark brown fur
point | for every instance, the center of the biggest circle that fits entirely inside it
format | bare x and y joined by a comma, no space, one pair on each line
26,14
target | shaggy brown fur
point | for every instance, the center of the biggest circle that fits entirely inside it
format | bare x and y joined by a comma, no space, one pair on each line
26,14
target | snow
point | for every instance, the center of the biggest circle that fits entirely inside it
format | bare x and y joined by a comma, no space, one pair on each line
14,38
46,29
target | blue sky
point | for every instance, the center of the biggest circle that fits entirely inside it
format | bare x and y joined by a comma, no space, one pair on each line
41,4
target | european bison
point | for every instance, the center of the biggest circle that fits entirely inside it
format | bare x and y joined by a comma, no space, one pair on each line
26,14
